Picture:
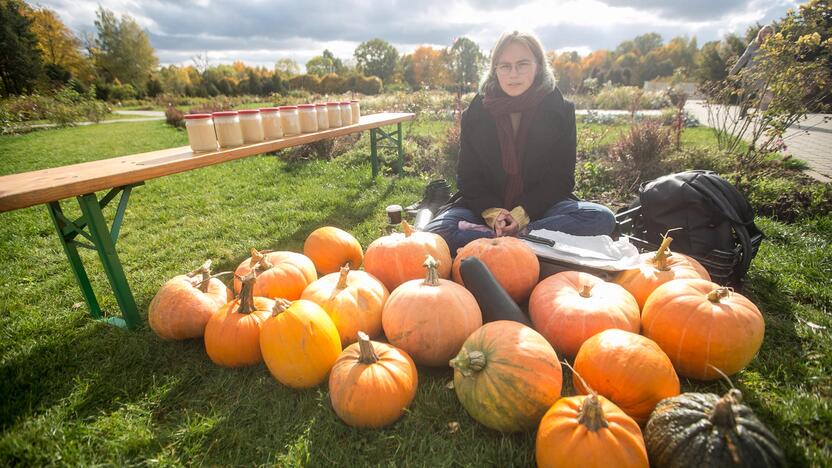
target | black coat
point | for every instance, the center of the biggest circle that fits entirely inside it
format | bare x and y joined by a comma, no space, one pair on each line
548,163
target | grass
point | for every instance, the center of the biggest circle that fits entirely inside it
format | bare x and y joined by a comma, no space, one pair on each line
78,392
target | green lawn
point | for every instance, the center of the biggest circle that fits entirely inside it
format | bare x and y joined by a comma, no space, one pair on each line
78,391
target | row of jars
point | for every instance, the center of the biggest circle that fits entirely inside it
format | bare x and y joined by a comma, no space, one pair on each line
229,129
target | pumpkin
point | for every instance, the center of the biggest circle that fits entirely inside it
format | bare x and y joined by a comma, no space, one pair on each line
353,299
588,431
657,268
299,343
510,260
397,258
704,328
232,334
430,319
713,431
371,383
569,307
628,369
330,248
183,305
506,376
279,274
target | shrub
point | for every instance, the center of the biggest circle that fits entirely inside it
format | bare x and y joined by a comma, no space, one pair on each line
174,117
623,97
787,199
120,92
638,152
332,84
369,85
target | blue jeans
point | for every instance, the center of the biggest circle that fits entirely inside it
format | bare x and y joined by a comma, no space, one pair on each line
574,217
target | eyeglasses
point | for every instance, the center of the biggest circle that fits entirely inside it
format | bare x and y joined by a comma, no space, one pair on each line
523,68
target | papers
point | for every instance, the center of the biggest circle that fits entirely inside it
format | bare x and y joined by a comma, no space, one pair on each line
599,252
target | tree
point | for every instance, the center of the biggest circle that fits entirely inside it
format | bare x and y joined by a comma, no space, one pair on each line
426,67
377,57
20,59
286,68
59,47
647,42
324,64
121,50
466,61
567,68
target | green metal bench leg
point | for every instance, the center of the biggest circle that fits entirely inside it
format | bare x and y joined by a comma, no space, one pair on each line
374,152
106,248
399,147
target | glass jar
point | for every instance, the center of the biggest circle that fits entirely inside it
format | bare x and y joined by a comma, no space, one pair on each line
252,125
308,118
356,111
289,120
346,113
271,123
227,125
333,113
201,134
323,119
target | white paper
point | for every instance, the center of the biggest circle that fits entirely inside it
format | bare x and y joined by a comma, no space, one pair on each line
599,252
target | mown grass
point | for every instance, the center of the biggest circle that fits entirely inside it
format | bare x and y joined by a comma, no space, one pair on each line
78,391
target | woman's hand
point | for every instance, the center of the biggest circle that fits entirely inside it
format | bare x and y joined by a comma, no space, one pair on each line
506,225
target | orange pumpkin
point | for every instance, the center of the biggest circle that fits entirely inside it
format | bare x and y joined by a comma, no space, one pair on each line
279,274
299,343
506,376
185,303
627,368
657,268
589,432
569,307
702,326
371,383
397,258
330,248
430,319
232,335
353,299
512,262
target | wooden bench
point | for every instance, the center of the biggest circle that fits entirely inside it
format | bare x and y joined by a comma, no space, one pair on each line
121,174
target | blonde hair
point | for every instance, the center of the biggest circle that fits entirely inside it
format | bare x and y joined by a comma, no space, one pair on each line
769,28
543,77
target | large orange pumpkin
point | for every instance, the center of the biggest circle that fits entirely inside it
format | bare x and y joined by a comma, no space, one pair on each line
629,369
512,262
569,307
589,432
397,258
702,326
353,299
506,376
371,383
430,319
299,343
185,303
657,268
232,335
279,274
330,248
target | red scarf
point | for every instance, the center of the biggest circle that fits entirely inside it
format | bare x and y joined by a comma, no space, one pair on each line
512,147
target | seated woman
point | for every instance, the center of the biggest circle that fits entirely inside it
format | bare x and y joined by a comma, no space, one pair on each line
517,155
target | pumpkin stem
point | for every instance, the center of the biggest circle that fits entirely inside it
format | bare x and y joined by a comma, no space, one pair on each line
592,414
205,272
342,280
203,285
469,363
717,294
432,277
407,228
258,261
586,291
246,297
367,353
660,259
723,415
280,306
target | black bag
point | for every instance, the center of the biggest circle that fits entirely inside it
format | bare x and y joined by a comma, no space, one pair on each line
717,223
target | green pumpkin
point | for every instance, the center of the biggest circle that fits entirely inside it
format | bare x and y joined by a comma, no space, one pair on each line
707,430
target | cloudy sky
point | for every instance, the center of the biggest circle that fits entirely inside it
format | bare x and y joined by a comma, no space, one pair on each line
259,32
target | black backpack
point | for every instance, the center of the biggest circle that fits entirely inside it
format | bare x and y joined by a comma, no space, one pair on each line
716,221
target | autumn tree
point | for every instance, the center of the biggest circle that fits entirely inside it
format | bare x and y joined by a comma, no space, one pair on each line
121,50
324,64
377,57
426,66
286,68
20,58
59,47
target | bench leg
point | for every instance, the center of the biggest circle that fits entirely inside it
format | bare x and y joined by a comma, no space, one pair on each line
374,152
378,135
399,147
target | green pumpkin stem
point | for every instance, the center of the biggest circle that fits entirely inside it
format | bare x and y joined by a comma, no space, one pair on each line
407,228
367,353
342,279
205,272
469,363
246,296
432,277
592,414
718,293
660,259
586,291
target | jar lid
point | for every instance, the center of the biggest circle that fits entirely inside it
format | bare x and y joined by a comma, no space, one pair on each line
269,109
225,114
354,100
320,104
288,107
249,111
333,103
345,103
197,116
306,106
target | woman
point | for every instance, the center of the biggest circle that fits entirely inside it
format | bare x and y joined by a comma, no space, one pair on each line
754,81
517,155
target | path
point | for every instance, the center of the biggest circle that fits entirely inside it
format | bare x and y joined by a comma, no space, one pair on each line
809,140
145,116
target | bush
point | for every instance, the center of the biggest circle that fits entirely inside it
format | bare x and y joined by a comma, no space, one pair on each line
332,84
638,152
121,92
624,97
787,199
369,85
175,117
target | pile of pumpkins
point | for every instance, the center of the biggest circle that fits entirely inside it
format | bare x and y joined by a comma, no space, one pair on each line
629,340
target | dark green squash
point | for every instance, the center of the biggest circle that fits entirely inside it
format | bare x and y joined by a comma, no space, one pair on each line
494,301
703,429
